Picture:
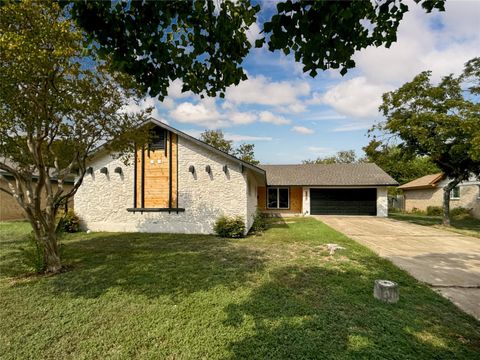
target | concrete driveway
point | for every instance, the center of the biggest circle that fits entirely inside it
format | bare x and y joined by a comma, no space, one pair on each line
448,262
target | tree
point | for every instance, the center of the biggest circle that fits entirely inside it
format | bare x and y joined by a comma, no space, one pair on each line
246,152
400,165
439,121
203,42
341,157
56,106
216,138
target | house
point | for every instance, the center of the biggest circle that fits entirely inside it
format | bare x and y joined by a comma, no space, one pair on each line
180,184
9,207
428,191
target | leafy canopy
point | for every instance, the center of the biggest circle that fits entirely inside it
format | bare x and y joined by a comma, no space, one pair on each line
204,42
441,121
216,138
341,157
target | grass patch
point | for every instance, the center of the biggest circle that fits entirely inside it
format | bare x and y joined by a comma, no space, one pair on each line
467,226
278,295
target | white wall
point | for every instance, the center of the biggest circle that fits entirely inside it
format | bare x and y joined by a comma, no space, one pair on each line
102,201
382,200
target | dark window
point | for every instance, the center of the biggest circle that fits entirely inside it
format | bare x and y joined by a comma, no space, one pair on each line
455,193
157,139
278,198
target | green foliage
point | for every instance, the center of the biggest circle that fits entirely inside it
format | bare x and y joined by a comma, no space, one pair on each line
205,42
58,102
399,164
434,211
230,227
216,138
32,255
259,222
234,299
68,222
460,213
341,157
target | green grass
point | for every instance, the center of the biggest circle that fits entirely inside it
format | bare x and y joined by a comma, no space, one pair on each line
467,226
275,296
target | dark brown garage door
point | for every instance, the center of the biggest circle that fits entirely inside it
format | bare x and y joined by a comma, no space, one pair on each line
343,201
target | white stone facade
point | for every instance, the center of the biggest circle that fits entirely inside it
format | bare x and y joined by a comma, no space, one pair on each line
102,200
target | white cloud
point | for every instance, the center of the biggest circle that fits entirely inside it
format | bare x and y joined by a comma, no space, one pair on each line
240,138
268,117
242,118
253,33
303,130
356,97
261,91
352,127
204,113
175,90
144,104
168,103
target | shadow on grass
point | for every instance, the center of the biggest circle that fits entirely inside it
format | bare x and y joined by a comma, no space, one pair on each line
312,312
154,265
469,223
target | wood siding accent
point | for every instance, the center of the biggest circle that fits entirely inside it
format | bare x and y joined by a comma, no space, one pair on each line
157,191
296,194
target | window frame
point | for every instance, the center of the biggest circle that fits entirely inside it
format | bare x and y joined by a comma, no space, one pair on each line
452,193
278,188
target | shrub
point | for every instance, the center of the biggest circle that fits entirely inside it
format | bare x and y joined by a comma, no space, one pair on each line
434,210
417,211
259,222
460,213
32,255
230,227
68,222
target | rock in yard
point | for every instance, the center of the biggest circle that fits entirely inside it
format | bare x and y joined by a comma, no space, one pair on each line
386,290
332,247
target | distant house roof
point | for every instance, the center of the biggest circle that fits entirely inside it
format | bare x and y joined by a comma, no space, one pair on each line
425,182
361,174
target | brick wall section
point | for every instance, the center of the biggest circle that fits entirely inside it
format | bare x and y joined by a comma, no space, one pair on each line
422,198
102,201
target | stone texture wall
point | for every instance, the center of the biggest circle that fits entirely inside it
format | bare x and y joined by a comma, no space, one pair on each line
102,200
422,198
252,198
9,208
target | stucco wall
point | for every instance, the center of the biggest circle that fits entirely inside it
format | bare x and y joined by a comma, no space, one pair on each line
421,199
101,201
252,202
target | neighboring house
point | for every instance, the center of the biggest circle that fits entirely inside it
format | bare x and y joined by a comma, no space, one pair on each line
180,184
428,191
9,208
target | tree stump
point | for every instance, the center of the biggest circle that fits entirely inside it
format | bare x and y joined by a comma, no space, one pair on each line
386,291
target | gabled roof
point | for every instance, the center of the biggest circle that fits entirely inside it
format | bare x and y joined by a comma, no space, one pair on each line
360,174
425,182
207,146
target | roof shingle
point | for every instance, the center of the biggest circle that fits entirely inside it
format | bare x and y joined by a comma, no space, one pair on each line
427,181
359,174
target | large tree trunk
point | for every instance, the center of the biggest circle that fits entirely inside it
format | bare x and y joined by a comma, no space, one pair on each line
51,254
446,206
446,200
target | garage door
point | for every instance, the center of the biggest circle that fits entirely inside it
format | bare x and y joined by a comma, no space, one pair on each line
343,201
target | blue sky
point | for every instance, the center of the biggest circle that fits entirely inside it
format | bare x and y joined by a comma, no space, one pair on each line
290,116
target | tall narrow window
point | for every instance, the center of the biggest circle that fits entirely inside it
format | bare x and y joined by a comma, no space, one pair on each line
278,198
455,193
157,139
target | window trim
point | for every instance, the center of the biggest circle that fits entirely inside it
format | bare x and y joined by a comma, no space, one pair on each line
452,196
278,196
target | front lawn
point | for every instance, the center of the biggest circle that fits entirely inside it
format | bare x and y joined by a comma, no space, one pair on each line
467,226
275,296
